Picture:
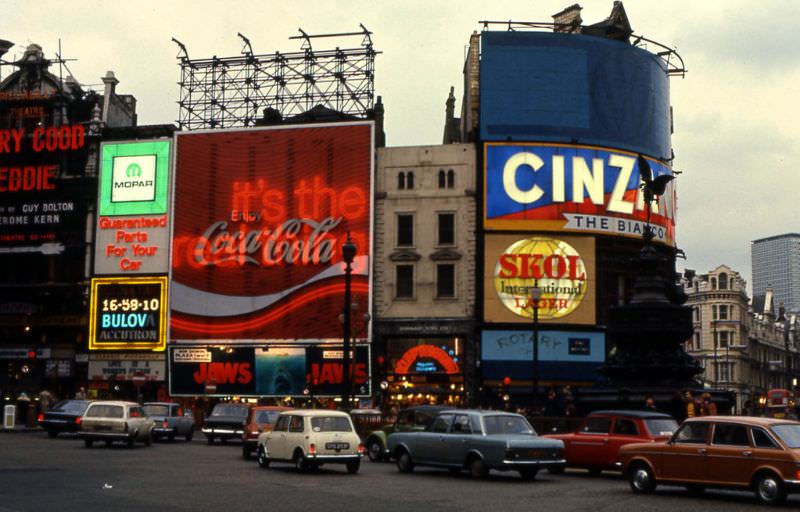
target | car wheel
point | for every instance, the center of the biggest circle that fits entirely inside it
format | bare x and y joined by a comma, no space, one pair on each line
88,443
171,437
189,435
210,439
454,471
375,450
261,457
131,440
404,462
52,433
642,479
352,467
246,451
477,468
769,489
528,474
556,470
300,462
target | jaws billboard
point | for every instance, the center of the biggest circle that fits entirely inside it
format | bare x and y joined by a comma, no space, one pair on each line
580,189
260,219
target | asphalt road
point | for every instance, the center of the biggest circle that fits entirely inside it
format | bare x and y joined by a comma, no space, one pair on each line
41,474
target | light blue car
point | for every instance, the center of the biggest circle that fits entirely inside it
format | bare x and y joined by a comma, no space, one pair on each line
477,441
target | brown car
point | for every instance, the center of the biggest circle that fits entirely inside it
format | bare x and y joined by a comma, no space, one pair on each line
762,454
261,419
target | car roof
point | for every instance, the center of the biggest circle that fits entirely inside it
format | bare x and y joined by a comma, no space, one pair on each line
749,420
631,413
314,412
114,402
481,412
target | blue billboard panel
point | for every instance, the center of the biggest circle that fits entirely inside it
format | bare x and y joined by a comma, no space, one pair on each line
563,355
559,187
539,86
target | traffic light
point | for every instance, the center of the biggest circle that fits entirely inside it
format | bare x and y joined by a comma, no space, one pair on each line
505,388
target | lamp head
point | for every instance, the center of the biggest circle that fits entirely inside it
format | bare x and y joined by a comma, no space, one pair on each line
535,293
349,250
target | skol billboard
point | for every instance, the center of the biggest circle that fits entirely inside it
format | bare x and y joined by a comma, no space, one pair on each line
562,267
260,217
556,187
266,371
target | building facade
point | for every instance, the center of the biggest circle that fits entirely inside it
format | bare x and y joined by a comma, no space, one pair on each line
424,273
776,265
742,345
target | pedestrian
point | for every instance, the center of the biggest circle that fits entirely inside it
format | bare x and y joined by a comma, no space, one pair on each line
45,400
691,406
80,394
707,407
650,404
552,407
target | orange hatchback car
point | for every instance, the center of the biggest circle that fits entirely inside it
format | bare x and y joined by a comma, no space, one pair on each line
762,454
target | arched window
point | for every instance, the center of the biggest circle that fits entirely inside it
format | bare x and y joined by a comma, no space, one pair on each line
723,281
401,181
451,178
441,178
713,283
410,180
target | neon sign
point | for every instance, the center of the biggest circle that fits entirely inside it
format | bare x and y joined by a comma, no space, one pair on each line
418,360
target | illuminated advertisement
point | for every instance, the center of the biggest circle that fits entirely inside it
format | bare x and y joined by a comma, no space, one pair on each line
128,313
260,217
42,204
562,268
424,356
551,187
555,87
134,178
132,245
563,355
259,371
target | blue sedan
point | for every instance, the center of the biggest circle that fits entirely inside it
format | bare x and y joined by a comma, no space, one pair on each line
477,441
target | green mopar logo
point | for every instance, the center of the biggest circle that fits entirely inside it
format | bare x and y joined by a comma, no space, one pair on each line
133,170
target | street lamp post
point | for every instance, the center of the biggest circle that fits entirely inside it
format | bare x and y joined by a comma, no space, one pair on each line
536,295
348,254
716,363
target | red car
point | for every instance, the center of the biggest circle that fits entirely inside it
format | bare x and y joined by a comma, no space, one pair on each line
595,445
260,419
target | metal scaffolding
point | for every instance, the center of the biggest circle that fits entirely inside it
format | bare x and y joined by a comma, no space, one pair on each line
239,91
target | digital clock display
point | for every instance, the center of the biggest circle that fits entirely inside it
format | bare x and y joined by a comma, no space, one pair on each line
128,313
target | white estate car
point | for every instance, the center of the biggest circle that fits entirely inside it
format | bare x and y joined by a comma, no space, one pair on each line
311,438
115,421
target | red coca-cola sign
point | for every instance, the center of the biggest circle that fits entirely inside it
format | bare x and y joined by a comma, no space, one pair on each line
260,217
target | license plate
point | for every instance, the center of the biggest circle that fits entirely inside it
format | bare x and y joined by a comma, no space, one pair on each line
337,446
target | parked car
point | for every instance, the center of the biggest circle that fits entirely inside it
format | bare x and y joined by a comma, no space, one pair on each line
170,420
477,441
413,418
762,454
311,438
261,419
226,421
116,421
595,444
65,416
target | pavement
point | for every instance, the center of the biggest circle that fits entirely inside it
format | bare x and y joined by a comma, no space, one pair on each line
20,429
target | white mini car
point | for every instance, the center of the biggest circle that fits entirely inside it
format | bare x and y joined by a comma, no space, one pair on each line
310,438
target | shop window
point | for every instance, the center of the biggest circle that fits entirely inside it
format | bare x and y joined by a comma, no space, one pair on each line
404,282
447,222
405,230
445,280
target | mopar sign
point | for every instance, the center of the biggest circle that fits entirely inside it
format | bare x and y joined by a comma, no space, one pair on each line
133,178
554,187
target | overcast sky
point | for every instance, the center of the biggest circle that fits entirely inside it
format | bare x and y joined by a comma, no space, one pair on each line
736,111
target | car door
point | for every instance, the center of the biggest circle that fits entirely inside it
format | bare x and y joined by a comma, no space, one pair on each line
458,440
624,431
431,444
730,456
295,436
684,457
276,445
590,445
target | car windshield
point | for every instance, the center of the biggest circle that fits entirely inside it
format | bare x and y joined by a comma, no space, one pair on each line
661,426
507,424
156,410
789,434
229,410
330,424
266,417
71,406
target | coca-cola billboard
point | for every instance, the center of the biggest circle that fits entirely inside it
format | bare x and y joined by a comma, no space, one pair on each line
260,217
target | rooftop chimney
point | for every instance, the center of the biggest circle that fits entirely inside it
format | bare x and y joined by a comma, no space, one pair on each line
569,20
